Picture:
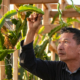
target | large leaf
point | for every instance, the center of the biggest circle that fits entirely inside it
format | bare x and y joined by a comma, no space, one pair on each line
10,13
30,8
7,15
53,31
21,9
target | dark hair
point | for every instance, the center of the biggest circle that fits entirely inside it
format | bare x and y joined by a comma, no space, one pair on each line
75,31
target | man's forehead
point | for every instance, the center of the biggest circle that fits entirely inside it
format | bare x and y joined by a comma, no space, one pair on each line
66,36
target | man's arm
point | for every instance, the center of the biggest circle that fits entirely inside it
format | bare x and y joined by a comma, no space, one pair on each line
33,24
38,67
43,69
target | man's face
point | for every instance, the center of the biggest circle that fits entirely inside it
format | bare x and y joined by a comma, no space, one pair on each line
67,47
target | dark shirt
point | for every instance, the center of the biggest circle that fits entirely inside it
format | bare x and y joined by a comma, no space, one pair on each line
46,70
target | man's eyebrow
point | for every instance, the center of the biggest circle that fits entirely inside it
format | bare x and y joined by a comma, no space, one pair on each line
63,39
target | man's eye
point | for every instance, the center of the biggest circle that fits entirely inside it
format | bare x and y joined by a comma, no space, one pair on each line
66,41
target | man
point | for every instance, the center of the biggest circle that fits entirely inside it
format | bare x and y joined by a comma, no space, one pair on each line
68,68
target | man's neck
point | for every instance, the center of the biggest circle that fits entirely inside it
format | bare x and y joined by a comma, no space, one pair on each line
73,66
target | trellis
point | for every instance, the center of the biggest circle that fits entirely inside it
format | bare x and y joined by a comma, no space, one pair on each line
47,6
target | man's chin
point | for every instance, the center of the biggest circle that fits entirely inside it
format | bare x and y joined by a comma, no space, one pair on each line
62,59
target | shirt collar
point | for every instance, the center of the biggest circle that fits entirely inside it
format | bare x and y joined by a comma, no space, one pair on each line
66,68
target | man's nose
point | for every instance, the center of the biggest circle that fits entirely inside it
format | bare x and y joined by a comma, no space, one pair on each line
60,46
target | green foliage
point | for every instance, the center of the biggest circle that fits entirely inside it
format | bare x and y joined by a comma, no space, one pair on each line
7,50
21,71
42,47
8,67
21,9
24,30
2,20
68,7
20,31
55,37
35,41
4,53
14,36
71,6
14,21
76,8
53,31
41,30
0,3
1,41
10,13
30,8
60,13
54,18
18,43
69,20
7,15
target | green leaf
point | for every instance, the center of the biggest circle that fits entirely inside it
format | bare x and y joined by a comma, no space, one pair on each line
43,46
56,15
76,8
41,30
10,13
8,67
71,6
53,31
28,14
0,1
24,30
68,7
43,37
21,26
14,21
4,52
2,20
7,50
18,26
18,44
1,40
30,8
72,20
7,15
35,41
60,13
